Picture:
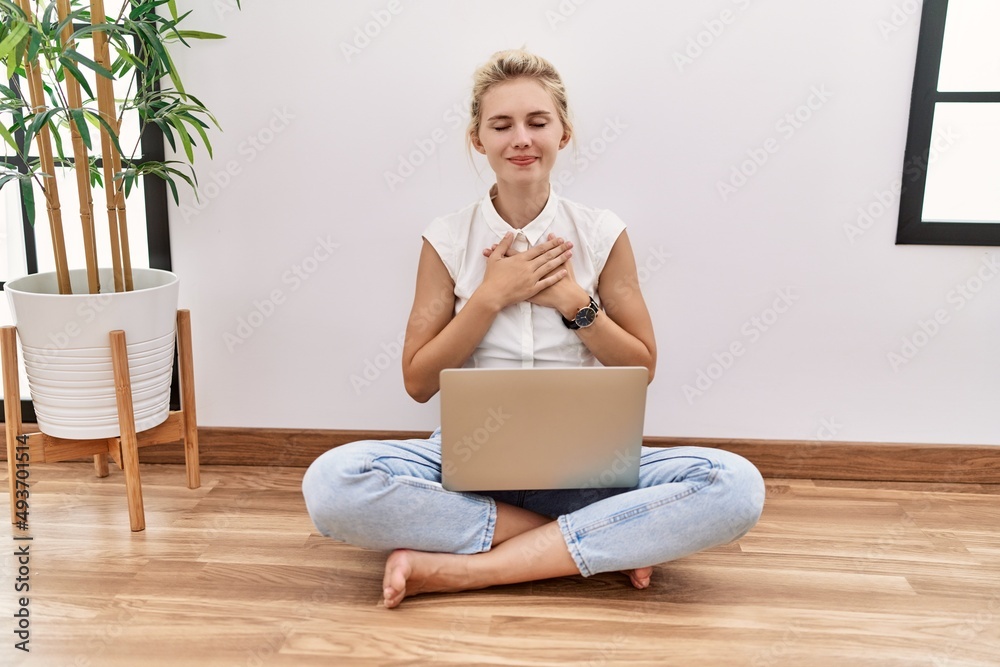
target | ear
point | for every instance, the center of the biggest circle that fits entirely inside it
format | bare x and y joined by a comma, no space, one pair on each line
565,139
476,143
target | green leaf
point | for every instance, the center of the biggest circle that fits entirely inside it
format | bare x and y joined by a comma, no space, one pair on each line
77,74
47,16
173,191
111,131
9,138
34,44
10,45
199,126
57,139
37,121
165,128
87,62
198,34
152,40
28,199
81,125
185,139
96,178
13,9
13,38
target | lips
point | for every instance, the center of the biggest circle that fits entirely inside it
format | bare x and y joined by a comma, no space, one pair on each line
522,160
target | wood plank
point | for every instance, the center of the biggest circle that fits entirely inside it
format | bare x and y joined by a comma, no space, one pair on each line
784,459
233,573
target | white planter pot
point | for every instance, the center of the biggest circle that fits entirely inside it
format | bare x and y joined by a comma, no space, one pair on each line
67,349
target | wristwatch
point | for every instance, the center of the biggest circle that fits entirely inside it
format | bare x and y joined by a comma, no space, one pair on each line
584,317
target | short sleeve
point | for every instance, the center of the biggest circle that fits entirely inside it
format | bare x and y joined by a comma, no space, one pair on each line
607,228
441,235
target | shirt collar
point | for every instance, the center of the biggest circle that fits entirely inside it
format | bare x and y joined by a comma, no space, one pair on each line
533,231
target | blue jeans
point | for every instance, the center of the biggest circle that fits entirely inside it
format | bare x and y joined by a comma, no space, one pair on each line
387,495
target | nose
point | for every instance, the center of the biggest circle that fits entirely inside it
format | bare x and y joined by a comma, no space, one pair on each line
521,137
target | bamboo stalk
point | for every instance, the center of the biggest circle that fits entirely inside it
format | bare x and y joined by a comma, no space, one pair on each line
106,107
122,221
119,189
51,189
82,164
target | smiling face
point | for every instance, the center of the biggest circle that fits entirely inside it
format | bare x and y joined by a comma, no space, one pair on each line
520,132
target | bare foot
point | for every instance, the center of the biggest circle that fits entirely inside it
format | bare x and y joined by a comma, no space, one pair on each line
409,572
398,571
639,576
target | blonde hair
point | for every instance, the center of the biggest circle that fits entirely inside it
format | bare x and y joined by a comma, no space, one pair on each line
516,64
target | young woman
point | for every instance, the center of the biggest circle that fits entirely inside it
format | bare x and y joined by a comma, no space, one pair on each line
512,272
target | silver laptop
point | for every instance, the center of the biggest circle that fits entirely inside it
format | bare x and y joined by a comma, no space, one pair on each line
541,428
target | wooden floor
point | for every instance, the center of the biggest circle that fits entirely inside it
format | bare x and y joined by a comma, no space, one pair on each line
835,573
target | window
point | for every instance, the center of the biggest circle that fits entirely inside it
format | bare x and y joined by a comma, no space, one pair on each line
950,187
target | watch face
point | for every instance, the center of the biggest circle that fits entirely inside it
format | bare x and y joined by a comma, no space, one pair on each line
585,317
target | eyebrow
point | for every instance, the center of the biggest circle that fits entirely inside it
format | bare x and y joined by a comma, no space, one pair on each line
506,117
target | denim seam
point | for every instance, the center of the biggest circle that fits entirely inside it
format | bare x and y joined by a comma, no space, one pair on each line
491,507
633,511
573,545
491,523
373,460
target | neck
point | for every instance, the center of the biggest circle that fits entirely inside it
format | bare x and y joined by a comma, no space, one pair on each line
519,204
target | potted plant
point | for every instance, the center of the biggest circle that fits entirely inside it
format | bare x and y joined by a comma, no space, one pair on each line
62,58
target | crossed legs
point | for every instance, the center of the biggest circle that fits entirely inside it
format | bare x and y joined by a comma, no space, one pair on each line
387,495
526,547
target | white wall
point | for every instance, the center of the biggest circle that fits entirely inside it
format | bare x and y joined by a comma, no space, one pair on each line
328,127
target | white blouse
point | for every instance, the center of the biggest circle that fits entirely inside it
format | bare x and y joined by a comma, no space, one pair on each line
525,334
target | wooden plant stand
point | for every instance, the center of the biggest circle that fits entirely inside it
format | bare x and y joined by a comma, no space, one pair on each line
181,425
